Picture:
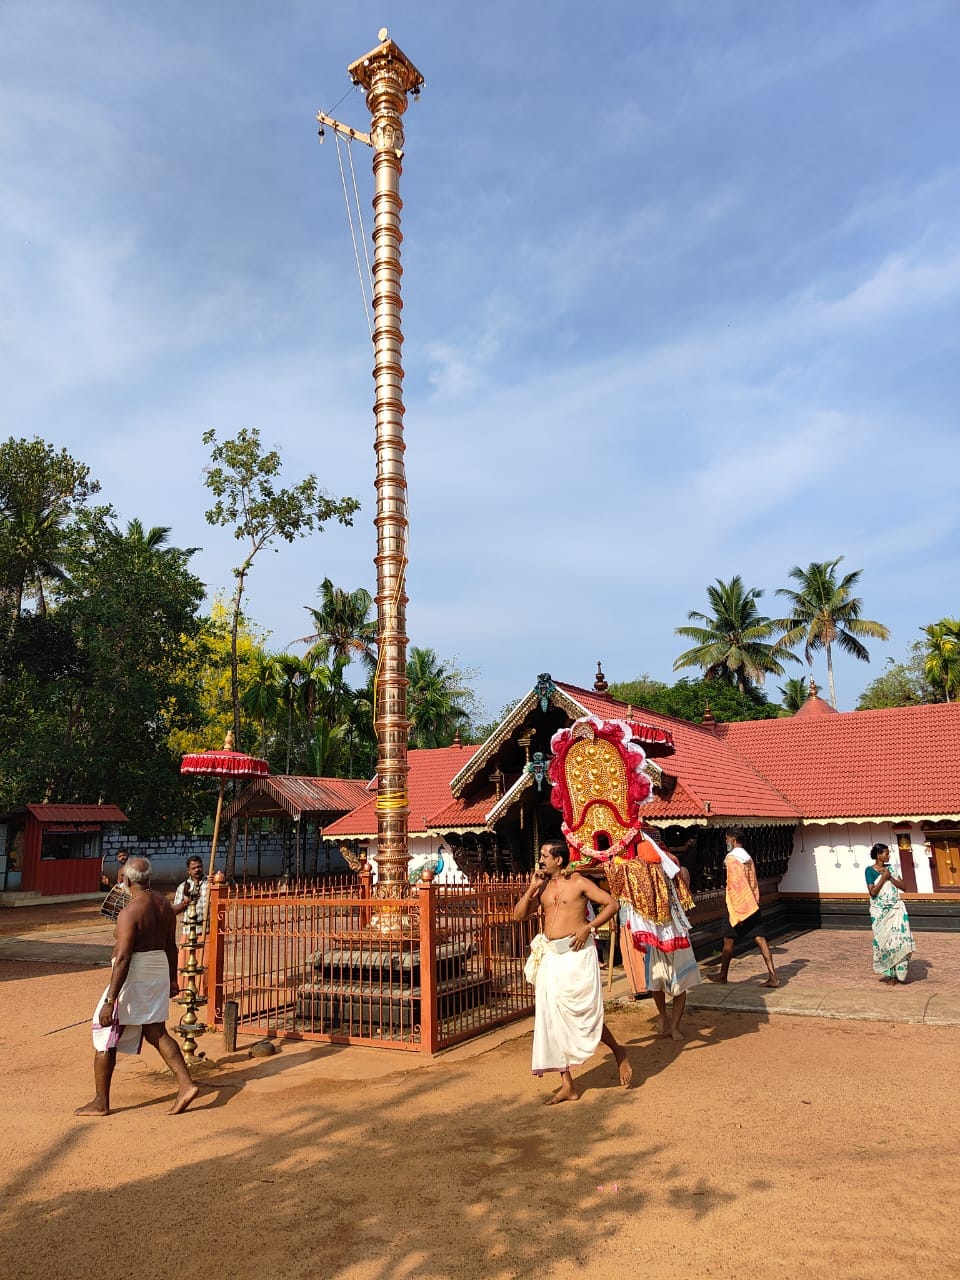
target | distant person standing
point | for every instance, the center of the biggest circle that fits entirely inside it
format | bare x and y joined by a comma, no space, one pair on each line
744,918
105,881
892,937
195,889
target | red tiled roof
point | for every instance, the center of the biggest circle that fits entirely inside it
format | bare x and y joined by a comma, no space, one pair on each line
428,786
705,767
815,706
901,762
297,795
77,813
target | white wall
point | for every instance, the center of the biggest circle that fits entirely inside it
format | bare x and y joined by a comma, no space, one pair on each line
833,859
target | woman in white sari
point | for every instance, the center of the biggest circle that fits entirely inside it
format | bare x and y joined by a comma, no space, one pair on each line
892,939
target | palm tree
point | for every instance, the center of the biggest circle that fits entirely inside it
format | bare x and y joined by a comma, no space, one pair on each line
152,539
260,695
435,698
795,693
293,672
731,642
824,614
34,554
343,627
941,656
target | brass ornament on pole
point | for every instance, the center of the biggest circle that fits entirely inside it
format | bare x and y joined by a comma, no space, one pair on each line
388,76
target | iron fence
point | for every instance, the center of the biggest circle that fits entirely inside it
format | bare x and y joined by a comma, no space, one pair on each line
331,960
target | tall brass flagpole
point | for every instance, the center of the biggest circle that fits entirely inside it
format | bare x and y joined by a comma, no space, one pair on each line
388,76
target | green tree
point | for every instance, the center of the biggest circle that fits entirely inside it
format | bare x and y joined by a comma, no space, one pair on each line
731,642
343,626
795,693
902,684
689,699
260,693
641,692
825,613
244,478
438,701
941,656
100,725
39,490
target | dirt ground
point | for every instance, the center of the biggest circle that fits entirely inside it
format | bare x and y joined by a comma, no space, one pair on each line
761,1148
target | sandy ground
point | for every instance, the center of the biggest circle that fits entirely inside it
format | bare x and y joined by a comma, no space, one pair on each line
763,1148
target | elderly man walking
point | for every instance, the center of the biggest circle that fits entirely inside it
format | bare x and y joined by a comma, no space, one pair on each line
135,1004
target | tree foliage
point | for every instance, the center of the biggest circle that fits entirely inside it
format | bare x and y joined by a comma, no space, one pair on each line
825,613
244,480
689,699
732,640
941,657
39,490
101,714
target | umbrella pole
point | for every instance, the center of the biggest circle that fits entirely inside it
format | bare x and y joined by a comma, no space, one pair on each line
216,828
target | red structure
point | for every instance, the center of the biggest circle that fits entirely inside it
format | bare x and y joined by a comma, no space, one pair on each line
58,847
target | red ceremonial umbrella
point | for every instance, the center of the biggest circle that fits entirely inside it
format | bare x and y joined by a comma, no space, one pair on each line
223,764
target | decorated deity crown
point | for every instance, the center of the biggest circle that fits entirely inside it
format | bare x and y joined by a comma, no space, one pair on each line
601,780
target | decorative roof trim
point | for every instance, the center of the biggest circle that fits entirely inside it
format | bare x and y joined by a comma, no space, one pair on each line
503,730
878,820
509,797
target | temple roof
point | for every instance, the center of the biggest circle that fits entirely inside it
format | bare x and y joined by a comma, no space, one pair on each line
297,797
901,762
428,789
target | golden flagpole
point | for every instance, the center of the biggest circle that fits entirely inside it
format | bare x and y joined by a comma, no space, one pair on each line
388,76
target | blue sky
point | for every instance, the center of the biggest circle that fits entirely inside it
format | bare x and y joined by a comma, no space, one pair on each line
681,287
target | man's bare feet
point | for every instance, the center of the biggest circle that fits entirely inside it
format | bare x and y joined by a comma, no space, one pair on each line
566,1093
184,1098
94,1108
771,982
675,1034
662,1028
716,977
624,1068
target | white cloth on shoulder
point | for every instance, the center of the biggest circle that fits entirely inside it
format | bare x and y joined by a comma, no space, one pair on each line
568,1022
144,998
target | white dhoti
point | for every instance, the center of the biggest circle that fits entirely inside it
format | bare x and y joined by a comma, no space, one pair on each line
144,998
569,1005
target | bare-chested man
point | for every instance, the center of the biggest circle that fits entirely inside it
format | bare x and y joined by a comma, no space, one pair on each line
568,1024
138,995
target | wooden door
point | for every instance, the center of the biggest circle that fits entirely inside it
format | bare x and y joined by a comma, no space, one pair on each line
945,855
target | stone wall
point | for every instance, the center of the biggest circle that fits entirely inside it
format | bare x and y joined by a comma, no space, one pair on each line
168,854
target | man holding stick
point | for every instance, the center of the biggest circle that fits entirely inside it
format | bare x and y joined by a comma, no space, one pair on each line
135,1005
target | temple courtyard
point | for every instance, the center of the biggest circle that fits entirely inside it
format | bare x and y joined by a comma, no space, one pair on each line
771,1143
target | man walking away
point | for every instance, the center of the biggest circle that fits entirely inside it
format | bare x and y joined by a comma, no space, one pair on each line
745,921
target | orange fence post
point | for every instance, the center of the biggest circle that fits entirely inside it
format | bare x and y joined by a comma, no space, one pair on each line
215,956
429,1030
366,896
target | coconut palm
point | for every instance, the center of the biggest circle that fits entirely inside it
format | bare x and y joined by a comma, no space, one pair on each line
437,702
260,694
731,642
343,627
941,656
825,613
795,693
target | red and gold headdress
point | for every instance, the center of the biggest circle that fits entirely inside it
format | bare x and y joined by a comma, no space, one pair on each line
600,783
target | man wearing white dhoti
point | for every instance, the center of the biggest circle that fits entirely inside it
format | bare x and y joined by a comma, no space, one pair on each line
563,965
134,1006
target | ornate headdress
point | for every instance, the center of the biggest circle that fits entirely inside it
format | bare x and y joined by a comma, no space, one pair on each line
600,782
